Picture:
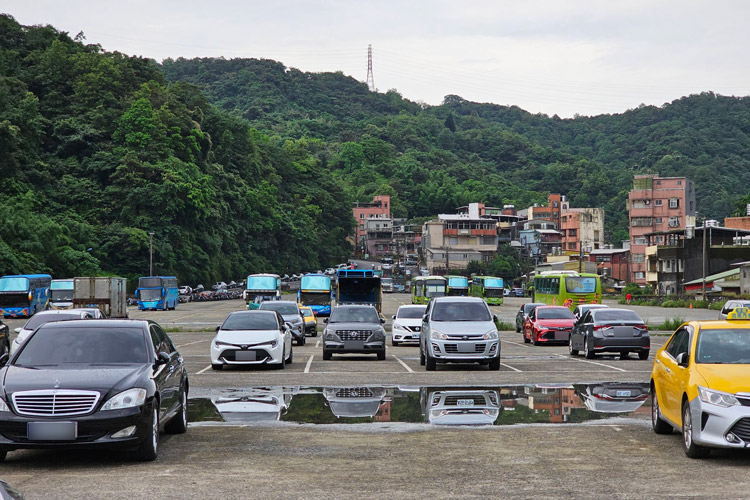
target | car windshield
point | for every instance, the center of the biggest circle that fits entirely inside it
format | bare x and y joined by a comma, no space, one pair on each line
39,319
411,312
250,321
460,311
354,315
285,308
150,294
56,345
726,346
615,315
308,313
554,313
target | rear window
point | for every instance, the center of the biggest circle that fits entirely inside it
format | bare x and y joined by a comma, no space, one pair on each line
579,284
285,308
603,316
250,321
554,313
460,311
40,319
53,345
411,312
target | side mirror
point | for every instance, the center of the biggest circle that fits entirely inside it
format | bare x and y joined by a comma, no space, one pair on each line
425,318
683,359
218,328
136,293
162,358
289,325
17,330
382,321
393,317
325,320
495,318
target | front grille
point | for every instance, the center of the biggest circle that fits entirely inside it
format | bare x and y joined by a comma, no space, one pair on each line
742,429
54,402
413,328
230,354
354,392
453,348
354,334
453,400
744,401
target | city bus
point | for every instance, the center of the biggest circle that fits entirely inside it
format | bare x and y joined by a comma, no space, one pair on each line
490,288
265,286
567,288
61,294
24,294
157,292
315,292
423,288
457,286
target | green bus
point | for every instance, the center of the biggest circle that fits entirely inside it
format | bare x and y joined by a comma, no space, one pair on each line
457,286
423,288
490,288
567,288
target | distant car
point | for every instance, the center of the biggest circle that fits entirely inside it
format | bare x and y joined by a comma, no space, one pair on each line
219,285
387,260
731,305
354,329
517,292
506,292
185,290
523,313
580,309
289,310
407,323
548,324
610,330
311,322
252,338
44,317
330,271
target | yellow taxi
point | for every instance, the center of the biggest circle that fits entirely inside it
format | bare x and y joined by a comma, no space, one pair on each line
311,322
700,384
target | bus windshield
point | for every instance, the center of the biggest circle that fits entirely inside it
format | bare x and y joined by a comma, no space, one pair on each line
493,283
261,283
315,283
458,282
578,284
149,282
14,284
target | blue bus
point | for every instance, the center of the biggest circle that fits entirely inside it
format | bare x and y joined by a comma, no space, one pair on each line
260,287
24,294
315,292
157,292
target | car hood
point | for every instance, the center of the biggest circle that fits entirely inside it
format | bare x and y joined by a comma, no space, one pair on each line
727,378
408,321
463,327
104,379
555,322
247,336
354,326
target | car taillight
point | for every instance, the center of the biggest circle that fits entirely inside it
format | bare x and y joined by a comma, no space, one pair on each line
642,327
601,327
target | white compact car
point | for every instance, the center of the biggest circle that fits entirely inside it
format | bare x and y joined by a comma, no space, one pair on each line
252,338
407,324
43,317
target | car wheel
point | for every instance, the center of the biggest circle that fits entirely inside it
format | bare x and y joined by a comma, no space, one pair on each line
643,355
588,352
533,338
282,365
495,364
624,355
149,448
658,425
692,450
3,454
525,338
217,366
291,356
430,363
381,355
421,357
394,343
326,355
571,351
314,333
301,340
179,423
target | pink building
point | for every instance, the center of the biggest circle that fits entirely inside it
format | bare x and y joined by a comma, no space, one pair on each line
380,207
656,204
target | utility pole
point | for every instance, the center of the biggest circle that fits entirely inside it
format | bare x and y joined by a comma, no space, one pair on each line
150,254
580,257
370,77
703,286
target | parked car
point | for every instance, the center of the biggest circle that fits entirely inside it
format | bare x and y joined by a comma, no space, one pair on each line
460,406
44,317
613,397
517,292
459,330
506,292
354,329
523,313
252,338
407,323
219,285
311,322
548,324
582,308
610,330
699,384
731,305
107,383
289,310
4,342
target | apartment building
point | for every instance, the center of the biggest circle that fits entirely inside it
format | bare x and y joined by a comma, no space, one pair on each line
379,207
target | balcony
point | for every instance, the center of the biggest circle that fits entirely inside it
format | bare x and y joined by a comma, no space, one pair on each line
469,232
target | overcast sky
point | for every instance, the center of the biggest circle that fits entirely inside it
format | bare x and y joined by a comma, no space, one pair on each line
549,56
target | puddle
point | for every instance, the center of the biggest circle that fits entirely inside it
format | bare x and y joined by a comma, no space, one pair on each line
505,405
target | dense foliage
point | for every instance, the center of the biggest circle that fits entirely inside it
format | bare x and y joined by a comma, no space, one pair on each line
97,151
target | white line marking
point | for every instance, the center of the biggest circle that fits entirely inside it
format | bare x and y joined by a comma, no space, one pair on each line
403,364
309,362
317,344
203,370
514,343
191,343
508,366
591,362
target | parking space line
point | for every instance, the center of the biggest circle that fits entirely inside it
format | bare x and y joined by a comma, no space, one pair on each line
592,362
309,362
203,370
403,364
317,344
191,343
508,366
514,343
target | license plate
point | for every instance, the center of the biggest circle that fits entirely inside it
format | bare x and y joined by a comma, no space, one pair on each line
562,335
465,402
52,431
466,348
623,394
244,355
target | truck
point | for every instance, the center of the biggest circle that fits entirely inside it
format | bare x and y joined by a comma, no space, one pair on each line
106,293
359,286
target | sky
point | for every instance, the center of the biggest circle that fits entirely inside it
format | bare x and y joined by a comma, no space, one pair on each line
547,56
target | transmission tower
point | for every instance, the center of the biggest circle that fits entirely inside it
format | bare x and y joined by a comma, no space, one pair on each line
370,78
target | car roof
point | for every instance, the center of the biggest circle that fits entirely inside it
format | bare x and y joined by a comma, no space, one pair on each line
352,306
413,306
102,323
454,298
717,324
551,307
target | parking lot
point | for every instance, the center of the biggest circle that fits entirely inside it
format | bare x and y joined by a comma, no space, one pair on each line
605,458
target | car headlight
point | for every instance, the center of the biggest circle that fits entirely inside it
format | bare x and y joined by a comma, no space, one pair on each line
219,343
126,399
491,335
3,405
717,398
437,334
398,326
331,336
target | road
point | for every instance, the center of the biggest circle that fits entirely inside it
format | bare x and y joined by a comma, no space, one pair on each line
603,458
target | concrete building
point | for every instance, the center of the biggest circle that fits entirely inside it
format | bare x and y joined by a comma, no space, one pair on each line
379,237
582,229
612,262
379,207
538,243
656,204
744,277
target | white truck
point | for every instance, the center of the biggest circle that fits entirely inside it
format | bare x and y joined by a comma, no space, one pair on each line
106,293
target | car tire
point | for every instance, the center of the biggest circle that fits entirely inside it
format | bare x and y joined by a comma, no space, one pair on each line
658,425
421,357
643,355
533,339
3,454
394,343
625,354
588,353
179,423
326,355
430,363
525,339
217,366
282,365
495,364
291,356
381,355
314,333
149,448
571,351
301,340
692,450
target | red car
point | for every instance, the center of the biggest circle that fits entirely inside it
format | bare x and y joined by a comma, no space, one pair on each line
548,324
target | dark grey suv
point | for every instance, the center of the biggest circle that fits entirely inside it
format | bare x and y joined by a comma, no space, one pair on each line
354,329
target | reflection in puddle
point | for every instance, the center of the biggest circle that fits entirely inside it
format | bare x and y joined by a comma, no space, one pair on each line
435,405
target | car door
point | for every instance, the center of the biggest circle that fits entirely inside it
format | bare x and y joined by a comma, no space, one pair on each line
167,375
424,336
520,318
286,335
671,377
528,327
576,334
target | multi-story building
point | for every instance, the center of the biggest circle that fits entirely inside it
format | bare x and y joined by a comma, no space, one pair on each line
656,204
379,237
551,212
582,229
380,207
612,262
507,218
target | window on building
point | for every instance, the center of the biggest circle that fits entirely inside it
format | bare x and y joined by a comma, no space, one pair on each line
361,216
674,202
639,241
641,221
640,275
679,183
657,220
571,245
639,258
673,222
658,203
361,226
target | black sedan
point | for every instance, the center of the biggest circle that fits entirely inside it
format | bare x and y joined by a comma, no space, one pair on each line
610,330
104,383
523,313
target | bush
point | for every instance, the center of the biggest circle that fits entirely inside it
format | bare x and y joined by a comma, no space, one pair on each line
716,306
670,324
